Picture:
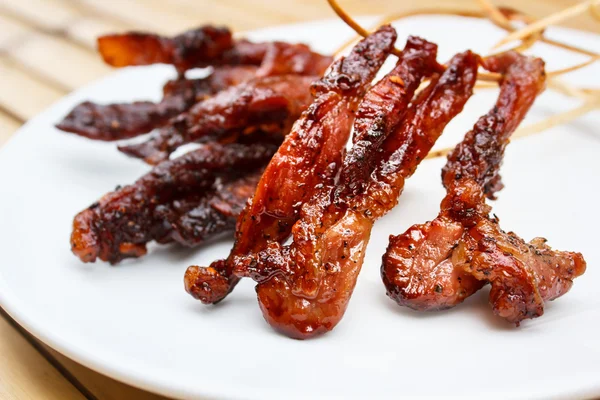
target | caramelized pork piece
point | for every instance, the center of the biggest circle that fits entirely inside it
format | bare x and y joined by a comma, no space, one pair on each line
304,288
188,199
309,157
438,264
298,59
384,106
216,211
125,120
269,104
419,270
201,47
523,275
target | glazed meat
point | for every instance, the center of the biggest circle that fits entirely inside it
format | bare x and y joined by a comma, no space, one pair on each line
199,217
125,120
438,264
187,200
201,47
122,121
284,58
522,275
304,288
309,156
256,115
269,104
418,268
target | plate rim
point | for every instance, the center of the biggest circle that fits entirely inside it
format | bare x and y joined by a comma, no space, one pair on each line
11,304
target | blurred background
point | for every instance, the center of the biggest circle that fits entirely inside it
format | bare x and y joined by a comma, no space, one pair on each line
47,49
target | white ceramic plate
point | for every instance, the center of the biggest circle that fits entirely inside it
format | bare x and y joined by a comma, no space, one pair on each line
135,323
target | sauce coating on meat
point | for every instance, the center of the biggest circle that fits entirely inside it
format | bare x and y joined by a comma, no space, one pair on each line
523,275
268,104
283,58
256,115
438,264
125,120
309,156
188,199
304,288
200,47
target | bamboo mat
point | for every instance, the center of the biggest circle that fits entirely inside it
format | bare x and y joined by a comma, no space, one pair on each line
47,49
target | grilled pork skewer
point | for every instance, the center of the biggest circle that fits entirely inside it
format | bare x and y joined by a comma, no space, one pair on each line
188,200
438,264
309,156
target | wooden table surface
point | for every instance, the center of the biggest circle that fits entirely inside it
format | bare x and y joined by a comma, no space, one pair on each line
47,50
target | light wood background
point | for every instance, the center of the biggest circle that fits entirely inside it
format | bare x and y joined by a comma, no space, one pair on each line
47,50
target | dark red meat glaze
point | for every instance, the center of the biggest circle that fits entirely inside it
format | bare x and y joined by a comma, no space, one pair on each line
309,156
304,288
268,104
125,120
438,264
187,199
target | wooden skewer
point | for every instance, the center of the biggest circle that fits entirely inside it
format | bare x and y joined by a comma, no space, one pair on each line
347,18
514,15
496,15
353,40
485,76
569,90
475,14
532,129
557,85
574,67
595,9
524,45
502,18
432,11
567,47
488,76
557,119
549,20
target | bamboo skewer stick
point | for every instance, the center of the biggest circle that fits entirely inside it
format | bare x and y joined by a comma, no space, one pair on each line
496,15
486,76
574,67
347,18
533,32
502,16
549,20
556,85
569,90
503,21
595,10
537,127
568,47
557,119
514,15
